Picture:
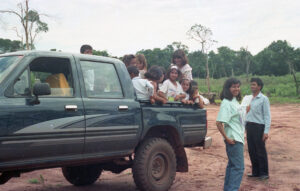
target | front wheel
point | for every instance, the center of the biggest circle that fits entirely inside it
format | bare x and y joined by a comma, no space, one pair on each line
154,167
82,175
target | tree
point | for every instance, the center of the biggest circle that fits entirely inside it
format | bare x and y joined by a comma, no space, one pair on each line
202,35
31,23
179,45
7,45
195,58
245,57
101,53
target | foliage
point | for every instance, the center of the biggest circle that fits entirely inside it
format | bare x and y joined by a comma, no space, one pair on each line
33,181
279,89
7,45
100,53
30,23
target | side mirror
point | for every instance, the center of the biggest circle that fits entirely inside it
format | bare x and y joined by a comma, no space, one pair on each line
38,90
41,89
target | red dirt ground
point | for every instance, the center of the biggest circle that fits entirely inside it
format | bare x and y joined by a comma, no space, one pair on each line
206,167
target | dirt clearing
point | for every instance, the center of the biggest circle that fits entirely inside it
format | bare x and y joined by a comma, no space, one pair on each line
206,167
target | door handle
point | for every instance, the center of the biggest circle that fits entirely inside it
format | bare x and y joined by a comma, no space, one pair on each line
123,107
71,107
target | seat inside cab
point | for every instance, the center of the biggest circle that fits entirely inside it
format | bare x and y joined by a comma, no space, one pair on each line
54,71
58,84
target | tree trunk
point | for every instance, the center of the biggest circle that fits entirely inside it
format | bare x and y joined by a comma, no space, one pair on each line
26,25
247,67
207,74
247,70
296,82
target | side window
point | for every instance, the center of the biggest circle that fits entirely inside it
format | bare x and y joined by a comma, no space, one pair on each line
54,71
101,80
21,86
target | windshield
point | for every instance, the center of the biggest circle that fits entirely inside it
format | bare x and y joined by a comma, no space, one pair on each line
7,64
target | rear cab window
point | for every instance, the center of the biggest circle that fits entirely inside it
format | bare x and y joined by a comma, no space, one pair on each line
101,80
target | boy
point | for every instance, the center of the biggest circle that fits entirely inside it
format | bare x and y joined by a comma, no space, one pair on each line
143,88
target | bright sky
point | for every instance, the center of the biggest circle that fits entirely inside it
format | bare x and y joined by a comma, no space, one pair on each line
126,26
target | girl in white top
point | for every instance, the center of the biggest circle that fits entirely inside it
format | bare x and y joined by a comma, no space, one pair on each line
171,89
180,60
185,84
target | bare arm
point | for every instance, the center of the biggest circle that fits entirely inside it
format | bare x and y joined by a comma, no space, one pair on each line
179,97
222,131
201,102
156,95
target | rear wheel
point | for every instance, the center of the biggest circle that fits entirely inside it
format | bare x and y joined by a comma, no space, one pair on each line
154,167
82,175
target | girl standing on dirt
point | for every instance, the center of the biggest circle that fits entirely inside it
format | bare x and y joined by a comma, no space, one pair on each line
230,126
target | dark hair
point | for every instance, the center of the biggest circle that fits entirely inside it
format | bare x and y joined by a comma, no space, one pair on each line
226,94
170,70
193,88
180,54
127,58
133,70
154,73
164,73
85,47
258,81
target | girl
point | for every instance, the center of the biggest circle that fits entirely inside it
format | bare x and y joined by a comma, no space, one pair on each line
141,64
180,60
154,75
129,60
171,89
185,84
194,94
230,127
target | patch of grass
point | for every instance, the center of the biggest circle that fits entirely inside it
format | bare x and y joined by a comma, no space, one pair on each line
33,181
40,180
279,89
283,100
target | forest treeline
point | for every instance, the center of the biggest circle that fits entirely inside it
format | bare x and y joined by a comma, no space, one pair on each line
276,59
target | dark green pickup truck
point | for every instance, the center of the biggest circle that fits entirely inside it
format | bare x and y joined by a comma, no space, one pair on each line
80,112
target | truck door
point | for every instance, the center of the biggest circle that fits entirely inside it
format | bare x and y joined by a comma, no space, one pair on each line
112,120
47,132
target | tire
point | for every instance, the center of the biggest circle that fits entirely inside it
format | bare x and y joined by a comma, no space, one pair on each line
154,166
82,175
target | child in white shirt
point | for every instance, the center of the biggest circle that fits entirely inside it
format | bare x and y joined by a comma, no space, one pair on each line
170,88
143,88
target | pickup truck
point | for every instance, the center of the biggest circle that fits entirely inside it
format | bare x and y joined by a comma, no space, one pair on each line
80,112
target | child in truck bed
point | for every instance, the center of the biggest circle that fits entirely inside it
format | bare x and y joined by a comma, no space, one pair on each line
155,75
143,88
170,88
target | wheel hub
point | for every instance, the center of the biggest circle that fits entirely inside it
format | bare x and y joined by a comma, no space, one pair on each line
158,167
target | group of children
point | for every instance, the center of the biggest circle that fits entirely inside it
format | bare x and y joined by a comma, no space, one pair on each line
157,86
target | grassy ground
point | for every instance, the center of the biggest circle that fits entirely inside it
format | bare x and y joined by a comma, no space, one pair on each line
279,89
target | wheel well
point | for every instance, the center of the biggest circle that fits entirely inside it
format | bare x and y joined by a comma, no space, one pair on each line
171,135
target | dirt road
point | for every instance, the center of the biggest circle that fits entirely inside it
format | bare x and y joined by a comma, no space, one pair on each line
206,167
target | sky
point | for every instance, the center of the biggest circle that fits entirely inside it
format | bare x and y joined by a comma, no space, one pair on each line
127,26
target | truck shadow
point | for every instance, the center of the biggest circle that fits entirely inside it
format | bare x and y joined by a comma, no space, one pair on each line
101,186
